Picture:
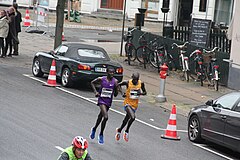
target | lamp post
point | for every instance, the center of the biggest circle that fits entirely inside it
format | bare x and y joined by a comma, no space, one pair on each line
124,13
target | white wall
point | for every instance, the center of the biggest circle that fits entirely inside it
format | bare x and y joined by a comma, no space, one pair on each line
132,8
236,35
172,11
89,6
209,14
234,68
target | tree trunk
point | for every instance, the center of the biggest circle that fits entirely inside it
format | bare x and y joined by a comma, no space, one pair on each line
59,23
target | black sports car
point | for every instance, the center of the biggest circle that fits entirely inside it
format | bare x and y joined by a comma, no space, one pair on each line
217,121
75,62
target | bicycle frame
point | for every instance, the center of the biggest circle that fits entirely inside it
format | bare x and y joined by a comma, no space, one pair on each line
183,59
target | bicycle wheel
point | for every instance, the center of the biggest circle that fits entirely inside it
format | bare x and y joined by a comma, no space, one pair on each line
215,83
186,75
131,53
155,60
126,49
171,63
140,54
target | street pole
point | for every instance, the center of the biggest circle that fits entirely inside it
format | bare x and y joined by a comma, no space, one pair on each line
124,13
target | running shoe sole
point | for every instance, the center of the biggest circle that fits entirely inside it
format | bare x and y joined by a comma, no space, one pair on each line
92,134
125,136
118,134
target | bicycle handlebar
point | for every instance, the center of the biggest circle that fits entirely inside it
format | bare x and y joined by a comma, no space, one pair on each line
142,35
131,30
179,46
211,51
154,40
192,53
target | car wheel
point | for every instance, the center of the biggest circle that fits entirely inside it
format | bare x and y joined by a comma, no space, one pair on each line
66,78
194,129
36,68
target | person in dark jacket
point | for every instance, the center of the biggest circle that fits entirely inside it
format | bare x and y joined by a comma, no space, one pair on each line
11,39
18,20
78,150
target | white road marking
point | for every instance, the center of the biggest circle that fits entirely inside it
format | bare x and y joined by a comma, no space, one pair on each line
212,151
59,148
114,100
91,101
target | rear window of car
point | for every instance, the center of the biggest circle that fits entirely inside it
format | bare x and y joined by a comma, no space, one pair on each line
95,54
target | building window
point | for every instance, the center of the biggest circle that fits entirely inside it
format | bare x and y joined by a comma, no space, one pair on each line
223,11
202,5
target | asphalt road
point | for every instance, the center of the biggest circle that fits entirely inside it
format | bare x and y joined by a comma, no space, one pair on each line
35,121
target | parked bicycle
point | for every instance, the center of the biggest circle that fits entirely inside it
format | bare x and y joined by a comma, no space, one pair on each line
212,67
184,64
130,49
200,68
145,51
161,56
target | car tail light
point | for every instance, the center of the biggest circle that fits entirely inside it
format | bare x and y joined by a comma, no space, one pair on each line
200,62
119,70
216,66
84,67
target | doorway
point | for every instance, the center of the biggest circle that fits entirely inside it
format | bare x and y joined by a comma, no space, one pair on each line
184,12
112,4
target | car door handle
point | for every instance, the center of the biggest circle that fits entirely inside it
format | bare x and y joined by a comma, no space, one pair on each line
223,117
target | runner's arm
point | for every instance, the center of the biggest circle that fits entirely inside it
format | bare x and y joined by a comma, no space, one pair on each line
144,92
93,82
123,83
116,88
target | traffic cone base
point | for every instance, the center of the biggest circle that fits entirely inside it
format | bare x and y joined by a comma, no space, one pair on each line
171,131
170,137
51,82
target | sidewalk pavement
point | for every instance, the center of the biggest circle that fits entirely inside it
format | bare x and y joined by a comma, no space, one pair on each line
89,22
184,94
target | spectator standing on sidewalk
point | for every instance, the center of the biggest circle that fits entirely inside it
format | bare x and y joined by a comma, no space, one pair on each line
11,39
108,88
18,20
4,28
134,88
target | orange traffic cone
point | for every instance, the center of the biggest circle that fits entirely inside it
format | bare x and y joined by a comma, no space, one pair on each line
51,82
27,19
171,131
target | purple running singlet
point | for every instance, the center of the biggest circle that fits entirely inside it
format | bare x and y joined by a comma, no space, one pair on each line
106,91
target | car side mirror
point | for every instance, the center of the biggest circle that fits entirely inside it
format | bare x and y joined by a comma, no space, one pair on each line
209,102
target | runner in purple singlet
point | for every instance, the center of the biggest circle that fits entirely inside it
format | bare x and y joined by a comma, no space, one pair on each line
108,88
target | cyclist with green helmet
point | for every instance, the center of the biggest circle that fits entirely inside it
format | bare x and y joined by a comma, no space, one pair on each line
78,150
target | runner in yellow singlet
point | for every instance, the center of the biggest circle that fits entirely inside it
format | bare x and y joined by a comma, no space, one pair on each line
134,88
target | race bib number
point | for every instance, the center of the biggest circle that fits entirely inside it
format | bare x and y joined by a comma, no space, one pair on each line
134,94
106,93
